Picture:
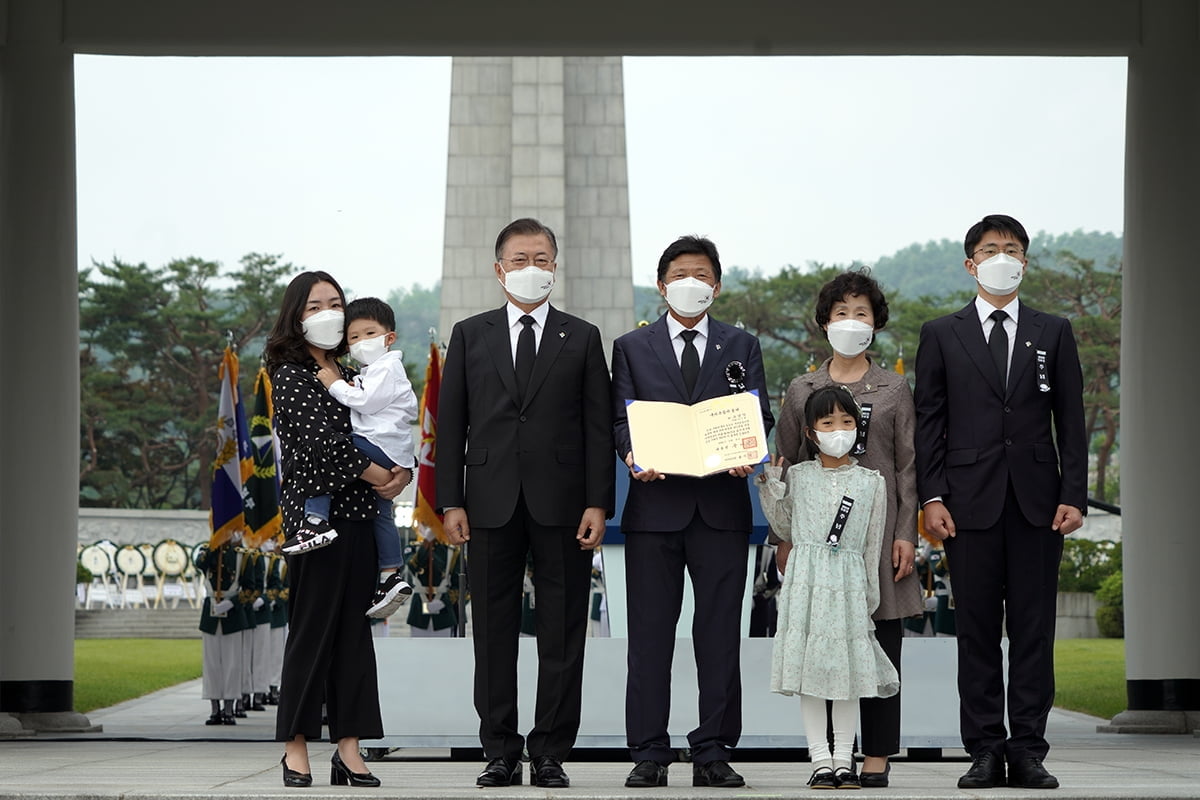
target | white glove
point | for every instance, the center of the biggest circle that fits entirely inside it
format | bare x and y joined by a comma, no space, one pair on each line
222,608
258,603
434,606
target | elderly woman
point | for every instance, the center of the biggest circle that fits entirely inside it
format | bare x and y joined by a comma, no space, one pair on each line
851,308
329,656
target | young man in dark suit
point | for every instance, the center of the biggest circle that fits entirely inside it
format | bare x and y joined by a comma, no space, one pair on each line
673,523
1002,472
525,466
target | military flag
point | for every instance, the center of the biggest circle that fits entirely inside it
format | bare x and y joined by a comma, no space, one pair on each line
424,512
263,519
227,514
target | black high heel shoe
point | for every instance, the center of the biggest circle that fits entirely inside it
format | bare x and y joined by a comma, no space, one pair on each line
340,774
293,778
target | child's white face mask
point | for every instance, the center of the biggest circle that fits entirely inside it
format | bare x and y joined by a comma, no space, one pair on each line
836,444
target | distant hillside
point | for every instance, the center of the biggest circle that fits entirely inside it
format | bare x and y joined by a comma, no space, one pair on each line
936,268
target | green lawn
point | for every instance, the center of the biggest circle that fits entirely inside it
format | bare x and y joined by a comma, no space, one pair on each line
109,671
1089,676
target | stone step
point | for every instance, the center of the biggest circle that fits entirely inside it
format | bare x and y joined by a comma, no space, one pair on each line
138,623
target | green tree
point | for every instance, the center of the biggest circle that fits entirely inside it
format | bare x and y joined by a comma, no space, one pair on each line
1091,298
150,343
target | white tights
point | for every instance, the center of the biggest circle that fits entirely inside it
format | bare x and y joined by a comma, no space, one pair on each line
845,720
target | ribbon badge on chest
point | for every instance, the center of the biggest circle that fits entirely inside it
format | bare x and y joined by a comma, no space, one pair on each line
839,523
864,422
1043,372
735,374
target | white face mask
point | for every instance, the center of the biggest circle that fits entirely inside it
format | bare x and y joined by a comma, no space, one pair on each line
836,444
368,351
324,329
1001,274
530,284
849,337
689,297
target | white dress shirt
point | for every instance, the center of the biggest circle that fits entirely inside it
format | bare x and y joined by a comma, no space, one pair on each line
514,326
675,327
985,309
383,407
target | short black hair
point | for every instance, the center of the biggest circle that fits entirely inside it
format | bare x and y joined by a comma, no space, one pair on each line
371,308
855,282
689,246
1001,223
823,401
525,226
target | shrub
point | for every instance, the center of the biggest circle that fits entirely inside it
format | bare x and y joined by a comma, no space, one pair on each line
82,573
1086,564
1110,616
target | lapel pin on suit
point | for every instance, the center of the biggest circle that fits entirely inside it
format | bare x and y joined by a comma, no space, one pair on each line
563,335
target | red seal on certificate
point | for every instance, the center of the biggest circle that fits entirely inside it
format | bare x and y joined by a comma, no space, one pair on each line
750,443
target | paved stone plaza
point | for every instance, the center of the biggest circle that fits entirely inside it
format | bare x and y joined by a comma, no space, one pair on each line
159,747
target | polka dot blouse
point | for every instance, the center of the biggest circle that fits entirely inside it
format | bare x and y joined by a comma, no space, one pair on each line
318,455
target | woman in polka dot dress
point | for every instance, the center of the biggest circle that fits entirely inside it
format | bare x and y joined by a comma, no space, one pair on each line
329,656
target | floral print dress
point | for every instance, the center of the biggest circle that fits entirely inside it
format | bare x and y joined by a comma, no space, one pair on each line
825,643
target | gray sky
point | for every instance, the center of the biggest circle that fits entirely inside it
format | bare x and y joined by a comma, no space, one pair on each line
341,163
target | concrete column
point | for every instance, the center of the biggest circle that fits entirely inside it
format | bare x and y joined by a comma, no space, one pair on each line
539,137
39,406
1159,382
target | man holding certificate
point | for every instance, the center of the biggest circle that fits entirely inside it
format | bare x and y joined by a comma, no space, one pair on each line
674,521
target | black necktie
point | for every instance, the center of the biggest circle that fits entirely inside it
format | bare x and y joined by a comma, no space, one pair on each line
998,344
689,362
525,354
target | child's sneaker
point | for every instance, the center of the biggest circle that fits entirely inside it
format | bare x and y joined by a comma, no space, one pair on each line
392,592
313,535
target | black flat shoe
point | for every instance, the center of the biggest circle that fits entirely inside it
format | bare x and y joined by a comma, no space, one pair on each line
340,774
1028,773
986,772
294,779
846,778
716,773
646,774
822,778
500,772
547,772
875,780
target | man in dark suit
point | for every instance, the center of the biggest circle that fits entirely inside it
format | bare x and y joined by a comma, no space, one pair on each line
673,523
1002,472
525,466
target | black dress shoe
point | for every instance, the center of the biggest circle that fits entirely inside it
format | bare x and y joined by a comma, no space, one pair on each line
716,773
846,778
215,719
340,774
986,772
875,780
822,778
500,772
291,778
547,771
1028,773
645,774
227,719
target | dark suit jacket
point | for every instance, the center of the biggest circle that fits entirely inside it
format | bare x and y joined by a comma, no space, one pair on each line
645,368
973,438
556,446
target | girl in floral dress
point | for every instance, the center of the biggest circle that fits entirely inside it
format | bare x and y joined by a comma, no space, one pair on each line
833,512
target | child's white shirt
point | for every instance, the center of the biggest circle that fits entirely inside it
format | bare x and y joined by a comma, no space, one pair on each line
383,406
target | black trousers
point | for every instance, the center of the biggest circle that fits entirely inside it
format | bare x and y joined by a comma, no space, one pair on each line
881,715
329,656
562,579
654,564
1005,575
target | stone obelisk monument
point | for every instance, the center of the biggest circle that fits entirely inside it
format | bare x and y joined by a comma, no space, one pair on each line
539,137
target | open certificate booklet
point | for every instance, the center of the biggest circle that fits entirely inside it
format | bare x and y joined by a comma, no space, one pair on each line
698,440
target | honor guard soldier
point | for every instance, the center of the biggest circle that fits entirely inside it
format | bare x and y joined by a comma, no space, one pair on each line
433,573
222,621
